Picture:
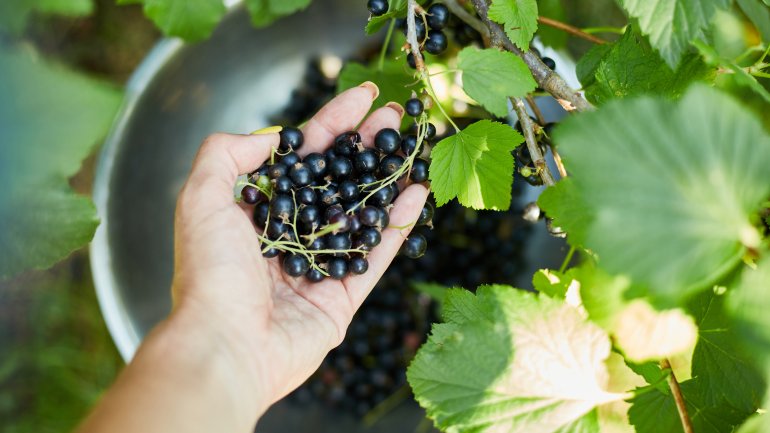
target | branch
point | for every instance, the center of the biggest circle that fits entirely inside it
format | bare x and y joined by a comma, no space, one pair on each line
676,391
529,136
547,79
411,36
571,30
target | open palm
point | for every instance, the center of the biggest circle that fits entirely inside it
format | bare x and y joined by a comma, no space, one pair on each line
285,325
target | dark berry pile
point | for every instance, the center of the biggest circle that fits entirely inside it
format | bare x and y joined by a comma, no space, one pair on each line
325,212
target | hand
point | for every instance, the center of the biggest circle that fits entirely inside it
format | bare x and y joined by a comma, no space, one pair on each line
277,329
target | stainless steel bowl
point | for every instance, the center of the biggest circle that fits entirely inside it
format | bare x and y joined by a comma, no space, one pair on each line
181,93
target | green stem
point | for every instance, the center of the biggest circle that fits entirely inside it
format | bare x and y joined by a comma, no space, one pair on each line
567,259
432,93
386,406
386,45
760,74
616,30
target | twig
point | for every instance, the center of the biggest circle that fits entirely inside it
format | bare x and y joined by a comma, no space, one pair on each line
411,36
535,109
558,161
529,136
547,79
571,30
458,10
676,391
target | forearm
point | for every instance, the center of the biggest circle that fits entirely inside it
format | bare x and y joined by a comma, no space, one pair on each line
185,377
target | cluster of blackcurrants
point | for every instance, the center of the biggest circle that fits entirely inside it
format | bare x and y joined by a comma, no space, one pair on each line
524,162
325,212
428,27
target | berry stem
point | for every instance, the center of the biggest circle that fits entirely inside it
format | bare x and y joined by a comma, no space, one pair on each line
432,94
386,45
614,30
567,259
529,136
570,29
676,391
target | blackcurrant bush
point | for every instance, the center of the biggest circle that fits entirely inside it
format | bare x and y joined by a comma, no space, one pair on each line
377,7
413,107
250,195
314,275
436,43
390,164
348,190
358,265
426,215
295,265
549,62
337,268
414,246
366,161
282,207
306,196
282,185
317,164
341,168
345,144
300,174
438,16
291,139
387,140
419,172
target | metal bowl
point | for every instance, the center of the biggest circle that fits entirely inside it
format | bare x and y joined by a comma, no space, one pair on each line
235,82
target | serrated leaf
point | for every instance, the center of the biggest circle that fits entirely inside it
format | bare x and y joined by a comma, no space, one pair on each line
740,75
749,304
685,189
518,17
14,13
476,166
396,9
587,65
394,82
656,412
42,219
719,362
563,203
551,283
192,20
672,24
644,334
491,77
630,68
535,365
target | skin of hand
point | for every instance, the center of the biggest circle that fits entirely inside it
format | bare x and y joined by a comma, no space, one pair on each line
242,334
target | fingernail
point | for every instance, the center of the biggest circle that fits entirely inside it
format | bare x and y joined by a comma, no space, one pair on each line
372,87
396,107
268,130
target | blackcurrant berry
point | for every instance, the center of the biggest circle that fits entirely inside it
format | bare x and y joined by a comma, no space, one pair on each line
358,265
414,246
377,7
430,131
419,172
316,162
261,212
314,275
282,207
329,195
341,168
369,216
438,16
341,221
338,242
382,197
270,253
419,27
310,216
348,190
413,107
330,154
390,164
300,174
355,224
306,196
318,244
426,215
250,195
387,140
331,211
277,170
384,221
366,181
295,265
291,139
290,159
410,61
549,62
436,43
370,237
276,229
345,144
366,161
282,185
337,268
409,144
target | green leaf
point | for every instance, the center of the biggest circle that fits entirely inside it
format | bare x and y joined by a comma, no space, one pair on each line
394,82
192,20
518,362
397,9
630,68
757,423
491,77
719,362
518,17
564,203
671,205
602,294
672,24
740,75
50,119
550,36
14,13
749,304
655,412
588,64
476,166
551,283
759,15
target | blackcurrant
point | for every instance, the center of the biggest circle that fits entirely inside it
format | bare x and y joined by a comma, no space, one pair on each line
345,144
348,190
329,195
270,253
426,215
337,268
414,246
300,174
370,237
276,229
549,62
430,131
250,195
382,197
369,216
310,216
358,265
366,181
318,244
410,61
341,222
384,221
341,168
355,224
291,139
436,43
314,275
261,212
419,172
332,211
295,265
316,162
282,185
282,207
413,107
339,242
409,144
306,195
438,16
390,164
290,159
377,7
277,170
387,140
419,27
366,161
